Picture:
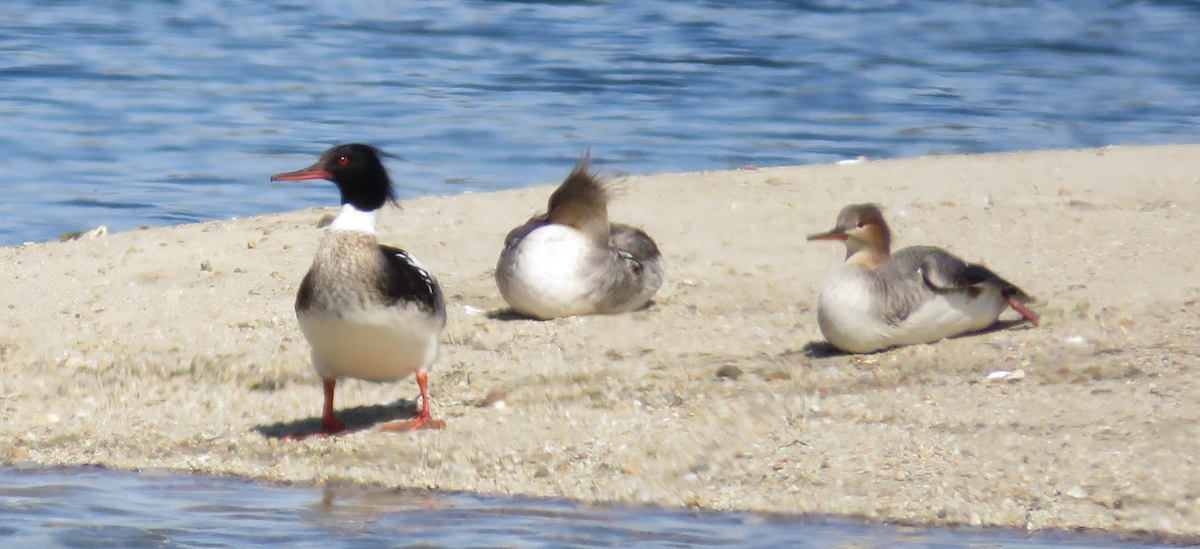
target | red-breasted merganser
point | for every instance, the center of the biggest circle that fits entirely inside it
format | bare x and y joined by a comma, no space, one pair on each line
369,311
917,295
572,261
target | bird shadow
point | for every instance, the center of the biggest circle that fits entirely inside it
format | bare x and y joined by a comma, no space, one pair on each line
1001,325
358,418
997,326
821,349
508,314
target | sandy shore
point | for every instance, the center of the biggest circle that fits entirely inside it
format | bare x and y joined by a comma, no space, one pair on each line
123,350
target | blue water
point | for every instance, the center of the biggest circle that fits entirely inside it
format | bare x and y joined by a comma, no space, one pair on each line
157,113
82,508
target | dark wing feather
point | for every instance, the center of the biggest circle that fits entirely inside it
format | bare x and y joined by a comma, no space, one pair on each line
944,272
305,295
917,273
406,281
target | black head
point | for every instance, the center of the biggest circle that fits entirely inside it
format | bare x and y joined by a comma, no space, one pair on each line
357,171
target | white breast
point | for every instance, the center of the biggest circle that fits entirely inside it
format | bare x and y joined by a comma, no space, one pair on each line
844,314
546,275
376,345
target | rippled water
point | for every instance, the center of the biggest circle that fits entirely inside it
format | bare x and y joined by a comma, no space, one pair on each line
89,507
156,113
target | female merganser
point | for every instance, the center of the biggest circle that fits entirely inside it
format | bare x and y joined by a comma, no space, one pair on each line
572,261
369,311
916,295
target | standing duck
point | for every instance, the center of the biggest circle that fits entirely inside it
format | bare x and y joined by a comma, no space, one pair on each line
369,311
919,294
572,261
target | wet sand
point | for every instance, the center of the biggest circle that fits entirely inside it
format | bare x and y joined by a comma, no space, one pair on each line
178,348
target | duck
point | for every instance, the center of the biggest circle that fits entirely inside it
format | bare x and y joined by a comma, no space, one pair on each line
920,294
369,311
571,260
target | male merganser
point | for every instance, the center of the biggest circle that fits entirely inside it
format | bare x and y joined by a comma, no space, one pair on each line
917,295
572,261
369,311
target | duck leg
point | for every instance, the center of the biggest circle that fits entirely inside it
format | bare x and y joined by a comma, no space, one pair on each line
423,420
1019,307
330,425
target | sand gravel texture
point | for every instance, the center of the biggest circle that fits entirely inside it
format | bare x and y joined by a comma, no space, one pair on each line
177,348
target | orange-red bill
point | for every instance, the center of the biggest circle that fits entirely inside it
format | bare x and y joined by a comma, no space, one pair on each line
312,172
831,235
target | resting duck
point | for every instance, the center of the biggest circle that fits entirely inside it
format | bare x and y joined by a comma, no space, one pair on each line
369,311
917,295
572,261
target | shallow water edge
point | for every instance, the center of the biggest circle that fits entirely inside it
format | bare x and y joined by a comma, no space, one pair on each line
84,506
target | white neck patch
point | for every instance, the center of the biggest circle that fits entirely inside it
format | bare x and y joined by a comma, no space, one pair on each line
354,219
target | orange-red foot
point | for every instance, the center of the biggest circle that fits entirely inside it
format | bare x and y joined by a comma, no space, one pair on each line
423,420
415,424
1029,315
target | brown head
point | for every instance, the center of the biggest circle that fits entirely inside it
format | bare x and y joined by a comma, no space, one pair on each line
581,202
862,228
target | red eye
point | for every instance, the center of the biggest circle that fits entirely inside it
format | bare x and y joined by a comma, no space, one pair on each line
343,160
